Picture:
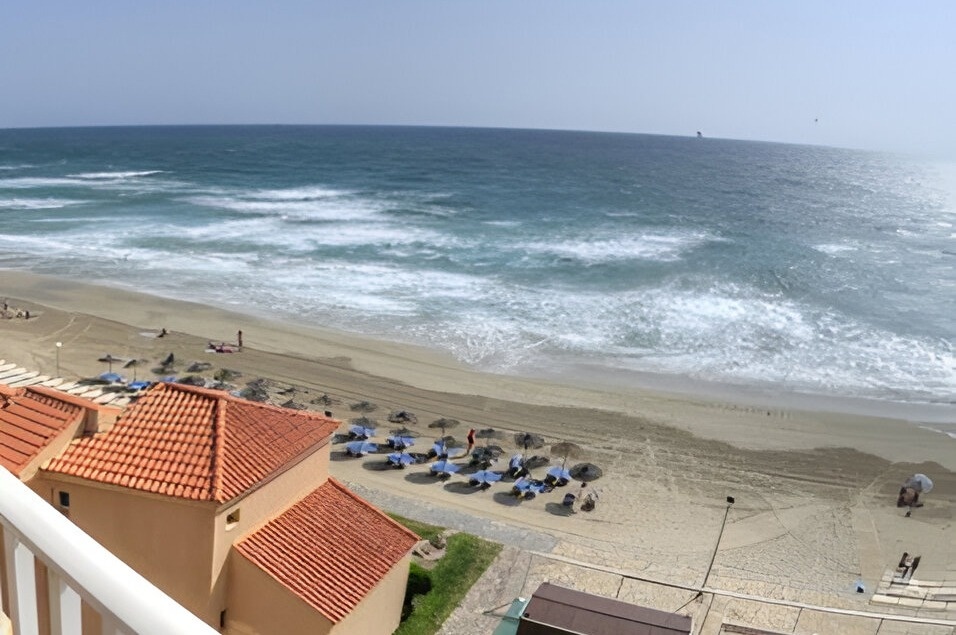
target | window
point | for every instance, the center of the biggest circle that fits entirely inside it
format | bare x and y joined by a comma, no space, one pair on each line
232,519
64,499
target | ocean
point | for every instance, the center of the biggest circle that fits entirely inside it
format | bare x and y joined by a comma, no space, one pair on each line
803,269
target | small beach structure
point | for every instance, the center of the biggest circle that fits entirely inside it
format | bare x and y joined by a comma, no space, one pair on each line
556,610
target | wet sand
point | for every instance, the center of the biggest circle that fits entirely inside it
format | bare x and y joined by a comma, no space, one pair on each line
814,489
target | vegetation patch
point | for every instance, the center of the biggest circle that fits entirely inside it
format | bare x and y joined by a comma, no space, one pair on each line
446,583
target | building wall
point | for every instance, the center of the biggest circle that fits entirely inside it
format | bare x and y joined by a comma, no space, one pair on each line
167,540
258,605
262,505
380,612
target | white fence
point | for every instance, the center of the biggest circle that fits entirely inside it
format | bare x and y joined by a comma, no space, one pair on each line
78,568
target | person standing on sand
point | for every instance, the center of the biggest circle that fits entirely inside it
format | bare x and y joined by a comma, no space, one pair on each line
239,339
471,441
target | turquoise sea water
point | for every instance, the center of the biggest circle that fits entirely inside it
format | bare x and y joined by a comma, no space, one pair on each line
803,268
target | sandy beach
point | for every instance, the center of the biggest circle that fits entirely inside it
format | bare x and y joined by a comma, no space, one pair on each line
814,489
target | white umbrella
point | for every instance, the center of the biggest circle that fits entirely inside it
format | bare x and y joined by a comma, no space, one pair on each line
920,482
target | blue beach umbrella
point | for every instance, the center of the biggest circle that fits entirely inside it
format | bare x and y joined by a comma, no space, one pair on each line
400,443
444,467
359,448
362,432
484,476
559,473
110,378
400,459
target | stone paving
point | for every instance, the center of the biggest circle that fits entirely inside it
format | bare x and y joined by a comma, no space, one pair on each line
530,558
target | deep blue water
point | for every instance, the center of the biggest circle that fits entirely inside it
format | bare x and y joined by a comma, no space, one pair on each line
805,268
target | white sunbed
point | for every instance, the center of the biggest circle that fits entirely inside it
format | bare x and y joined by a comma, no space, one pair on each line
91,393
67,385
5,375
30,381
53,383
5,366
20,377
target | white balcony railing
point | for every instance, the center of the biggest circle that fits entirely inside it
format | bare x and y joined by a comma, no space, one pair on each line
78,568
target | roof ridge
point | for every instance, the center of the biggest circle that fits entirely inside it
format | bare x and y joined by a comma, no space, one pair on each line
227,396
341,487
217,451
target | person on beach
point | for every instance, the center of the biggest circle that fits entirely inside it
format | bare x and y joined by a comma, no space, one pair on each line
471,441
162,333
239,339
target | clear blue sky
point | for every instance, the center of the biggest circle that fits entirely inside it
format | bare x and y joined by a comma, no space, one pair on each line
873,74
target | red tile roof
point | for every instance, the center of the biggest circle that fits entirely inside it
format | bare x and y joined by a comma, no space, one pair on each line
195,443
29,420
329,549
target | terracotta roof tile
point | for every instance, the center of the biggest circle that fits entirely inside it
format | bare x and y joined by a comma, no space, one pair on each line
206,443
29,420
329,549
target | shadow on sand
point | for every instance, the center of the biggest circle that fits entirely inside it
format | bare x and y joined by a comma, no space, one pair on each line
505,498
558,509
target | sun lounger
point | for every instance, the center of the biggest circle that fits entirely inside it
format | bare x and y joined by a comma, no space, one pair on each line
29,381
15,378
54,383
7,375
5,366
67,385
92,393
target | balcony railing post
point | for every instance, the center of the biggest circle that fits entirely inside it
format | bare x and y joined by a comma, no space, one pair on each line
22,591
66,613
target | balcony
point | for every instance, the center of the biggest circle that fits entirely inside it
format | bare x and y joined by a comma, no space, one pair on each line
79,570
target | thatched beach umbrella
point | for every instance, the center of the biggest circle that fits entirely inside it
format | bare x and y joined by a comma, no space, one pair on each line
529,441
405,432
488,434
586,472
567,450
363,406
444,424
402,416
109,359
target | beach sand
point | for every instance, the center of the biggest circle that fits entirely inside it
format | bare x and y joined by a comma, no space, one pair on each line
814,490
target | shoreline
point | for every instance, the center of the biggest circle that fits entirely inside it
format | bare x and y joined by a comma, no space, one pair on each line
793,421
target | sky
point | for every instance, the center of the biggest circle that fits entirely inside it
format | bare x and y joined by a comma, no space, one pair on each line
861,74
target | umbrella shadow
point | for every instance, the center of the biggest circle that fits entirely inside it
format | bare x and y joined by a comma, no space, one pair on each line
505,498
379,466
341,437
558,509
461,487
421,478
342,455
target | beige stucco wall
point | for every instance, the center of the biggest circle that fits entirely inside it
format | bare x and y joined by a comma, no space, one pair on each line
380,611
262,505
168,541
258,605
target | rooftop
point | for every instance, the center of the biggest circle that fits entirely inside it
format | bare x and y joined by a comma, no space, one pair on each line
329,549
29,420
195,443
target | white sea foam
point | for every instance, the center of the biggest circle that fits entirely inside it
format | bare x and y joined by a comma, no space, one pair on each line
309,193
647,246
330,209
98,176
22,166
27,182
834,249
37,203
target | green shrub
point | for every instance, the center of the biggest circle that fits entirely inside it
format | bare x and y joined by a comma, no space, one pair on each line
419,584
